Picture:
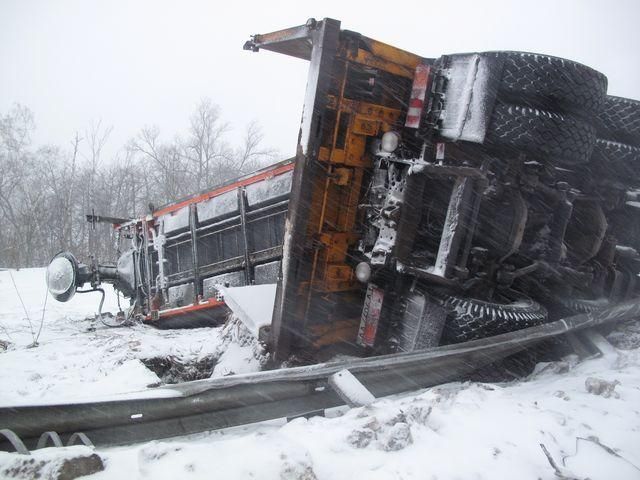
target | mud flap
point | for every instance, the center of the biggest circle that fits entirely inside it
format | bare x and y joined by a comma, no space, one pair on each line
370,318
420,324
470,92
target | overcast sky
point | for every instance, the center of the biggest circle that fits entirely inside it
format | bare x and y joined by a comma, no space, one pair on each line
132,63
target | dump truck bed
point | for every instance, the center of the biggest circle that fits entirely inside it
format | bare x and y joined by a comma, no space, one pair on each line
228,236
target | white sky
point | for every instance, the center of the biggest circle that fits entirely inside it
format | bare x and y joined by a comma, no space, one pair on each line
132,63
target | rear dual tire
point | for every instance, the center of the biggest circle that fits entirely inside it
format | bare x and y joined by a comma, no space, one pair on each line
620,159
541,134
551,83
619,120
470,318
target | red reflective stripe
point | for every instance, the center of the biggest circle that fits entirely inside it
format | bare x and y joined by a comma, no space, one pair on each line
418,95
413,121
211,303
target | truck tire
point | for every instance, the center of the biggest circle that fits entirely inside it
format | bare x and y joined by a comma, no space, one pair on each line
470,318
551,83
616,158
563,139
620,120
582,305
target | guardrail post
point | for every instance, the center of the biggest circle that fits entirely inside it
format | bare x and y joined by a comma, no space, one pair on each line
349,389
598,342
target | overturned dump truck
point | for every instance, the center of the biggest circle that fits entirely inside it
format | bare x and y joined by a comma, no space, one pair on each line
175,260
431,201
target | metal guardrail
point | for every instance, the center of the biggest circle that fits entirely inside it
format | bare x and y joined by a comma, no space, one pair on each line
242,399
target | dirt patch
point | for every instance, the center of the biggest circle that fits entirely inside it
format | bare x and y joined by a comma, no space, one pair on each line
238,351
65,468
172,369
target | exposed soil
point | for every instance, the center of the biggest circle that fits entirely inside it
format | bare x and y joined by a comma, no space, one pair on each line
174,370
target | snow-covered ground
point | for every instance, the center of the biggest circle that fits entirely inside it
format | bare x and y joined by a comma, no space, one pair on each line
78,358
586,414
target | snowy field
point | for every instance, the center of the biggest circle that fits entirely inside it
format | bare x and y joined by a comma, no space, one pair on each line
78,358
586,414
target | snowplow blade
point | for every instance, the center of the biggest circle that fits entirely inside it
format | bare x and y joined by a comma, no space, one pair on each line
242,399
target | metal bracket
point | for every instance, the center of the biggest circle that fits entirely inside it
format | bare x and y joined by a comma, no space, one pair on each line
45,437
79,437
15,441
193,224
242,206
457,225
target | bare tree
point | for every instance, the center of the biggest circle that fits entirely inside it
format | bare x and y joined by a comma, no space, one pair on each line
45,192
16,128
252,154
205,149
162,163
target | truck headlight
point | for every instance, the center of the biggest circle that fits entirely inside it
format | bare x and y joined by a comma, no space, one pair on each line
61,276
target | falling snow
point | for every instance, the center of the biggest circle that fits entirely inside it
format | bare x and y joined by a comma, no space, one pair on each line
584,413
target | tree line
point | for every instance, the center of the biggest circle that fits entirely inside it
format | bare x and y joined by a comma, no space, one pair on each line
45,191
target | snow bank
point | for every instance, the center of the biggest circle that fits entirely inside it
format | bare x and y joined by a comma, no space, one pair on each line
454,431
239,351
51,463
79,359
584,413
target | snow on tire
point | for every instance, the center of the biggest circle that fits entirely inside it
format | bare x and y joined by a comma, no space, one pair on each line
551,83
470,319
619,120
618,158
583,305
564,139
